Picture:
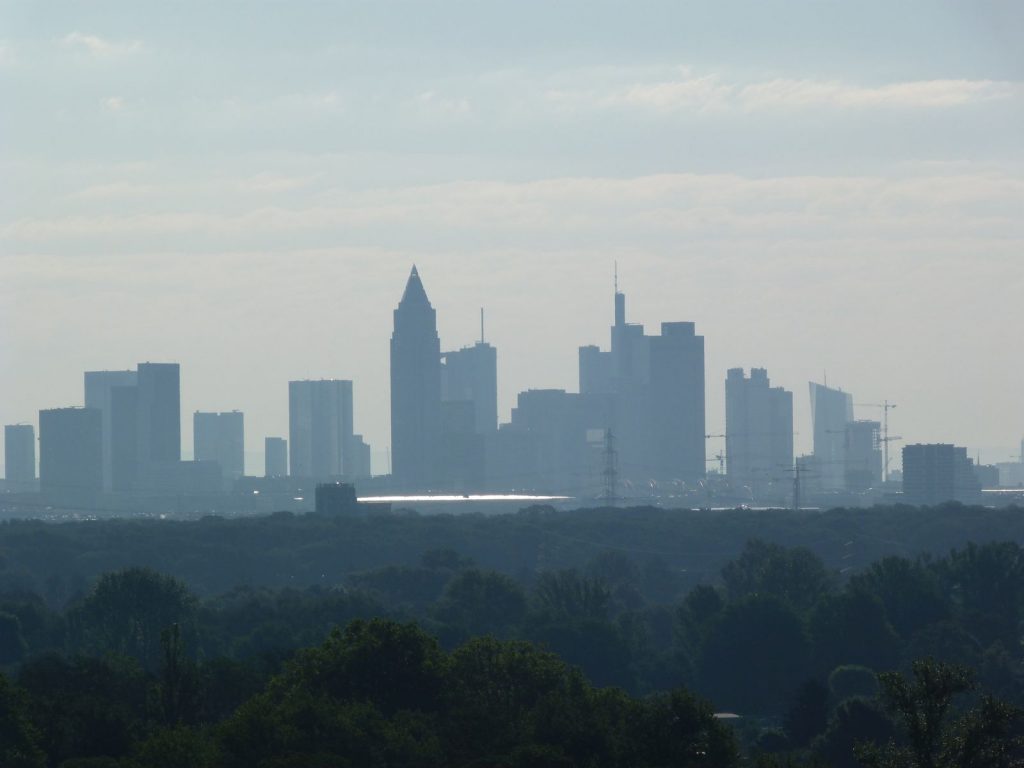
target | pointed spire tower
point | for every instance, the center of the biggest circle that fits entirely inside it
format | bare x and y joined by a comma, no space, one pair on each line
415,389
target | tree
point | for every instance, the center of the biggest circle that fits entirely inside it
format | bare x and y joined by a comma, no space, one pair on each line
127,611
754,656
851,628
565,594
923,706
796,576
482,603
12,643
987,585
19,741
909,591
807,715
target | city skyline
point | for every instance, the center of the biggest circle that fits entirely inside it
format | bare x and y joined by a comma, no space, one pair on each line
254,458
822,189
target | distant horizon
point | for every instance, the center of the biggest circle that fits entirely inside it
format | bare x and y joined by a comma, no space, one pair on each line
821,189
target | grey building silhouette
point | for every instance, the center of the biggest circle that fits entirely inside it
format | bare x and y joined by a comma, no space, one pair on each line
415,389
320,433
71,452
19,455
275,457
831,411
938,472
145,428
758,430
471,375
98,389
220,437
657,388
863,455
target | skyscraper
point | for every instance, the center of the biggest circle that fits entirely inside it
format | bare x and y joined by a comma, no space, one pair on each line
936,473
863,455
98,387
471,375
19,455
275,457
220,437
758,429
831,411
71,452
415,388
159,413
657,389
320,428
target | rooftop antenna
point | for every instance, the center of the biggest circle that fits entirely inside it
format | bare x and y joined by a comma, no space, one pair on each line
481,325
616,276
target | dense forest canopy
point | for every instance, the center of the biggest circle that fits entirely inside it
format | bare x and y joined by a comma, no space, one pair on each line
886,637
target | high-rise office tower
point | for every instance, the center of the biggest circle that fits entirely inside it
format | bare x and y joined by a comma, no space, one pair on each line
415,388
831,411
19,455
98,388
220,437
159,413
657,388
71,452
275,457
124,437
320,428
863,455
939,472
758,429
471,375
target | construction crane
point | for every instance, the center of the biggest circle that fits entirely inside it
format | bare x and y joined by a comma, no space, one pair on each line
717,457
886,406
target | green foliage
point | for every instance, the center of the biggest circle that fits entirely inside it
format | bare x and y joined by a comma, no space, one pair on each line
796,576
19,741
12,642
127,612
849,681
482,603
807,715
852,628
909,590
757,639
923,706
567,595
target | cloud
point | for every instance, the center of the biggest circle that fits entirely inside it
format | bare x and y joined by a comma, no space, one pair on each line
642,211
100,48
114,103
710,92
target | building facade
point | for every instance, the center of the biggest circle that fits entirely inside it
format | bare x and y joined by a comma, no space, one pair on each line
320,433
831,411
19,455
415,389
275,457
758,431
99,387
938,472
220,437
71,452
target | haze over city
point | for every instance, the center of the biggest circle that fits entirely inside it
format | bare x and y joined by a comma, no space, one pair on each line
824,190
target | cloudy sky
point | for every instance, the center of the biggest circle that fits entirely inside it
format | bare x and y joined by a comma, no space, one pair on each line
825,188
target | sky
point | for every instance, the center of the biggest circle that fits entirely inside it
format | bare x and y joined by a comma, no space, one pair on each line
827,189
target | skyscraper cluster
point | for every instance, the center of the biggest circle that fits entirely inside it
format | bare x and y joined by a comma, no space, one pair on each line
636,428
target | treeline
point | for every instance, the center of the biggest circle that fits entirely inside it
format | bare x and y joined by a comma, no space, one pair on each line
776,636
213,555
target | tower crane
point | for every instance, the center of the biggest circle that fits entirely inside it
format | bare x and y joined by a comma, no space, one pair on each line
886,406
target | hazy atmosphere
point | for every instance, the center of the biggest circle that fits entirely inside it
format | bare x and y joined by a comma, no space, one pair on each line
825,188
